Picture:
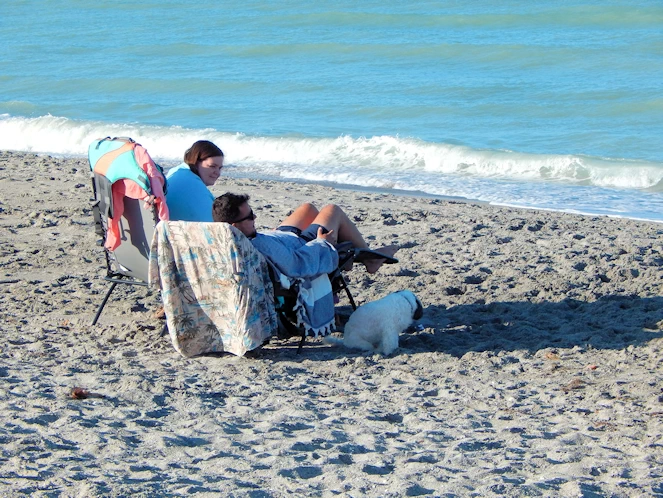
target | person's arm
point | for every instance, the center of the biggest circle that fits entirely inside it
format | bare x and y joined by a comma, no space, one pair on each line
309,260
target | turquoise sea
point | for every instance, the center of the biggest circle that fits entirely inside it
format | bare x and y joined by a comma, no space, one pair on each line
554,105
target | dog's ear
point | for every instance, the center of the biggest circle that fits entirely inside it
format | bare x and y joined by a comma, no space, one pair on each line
419,312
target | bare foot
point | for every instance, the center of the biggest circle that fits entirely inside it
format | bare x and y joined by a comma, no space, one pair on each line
160,314
372,265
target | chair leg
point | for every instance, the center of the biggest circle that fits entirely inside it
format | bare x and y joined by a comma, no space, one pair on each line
301,343
103,303
344,285
352,301
291,331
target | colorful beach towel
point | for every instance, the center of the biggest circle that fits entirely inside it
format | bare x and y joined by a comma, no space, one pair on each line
215,287
132,173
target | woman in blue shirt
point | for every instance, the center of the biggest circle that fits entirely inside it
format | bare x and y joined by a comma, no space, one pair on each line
188,197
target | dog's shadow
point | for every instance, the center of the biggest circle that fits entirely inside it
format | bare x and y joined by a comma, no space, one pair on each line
613,322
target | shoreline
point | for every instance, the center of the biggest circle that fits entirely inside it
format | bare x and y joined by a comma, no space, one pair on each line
378,190
537,372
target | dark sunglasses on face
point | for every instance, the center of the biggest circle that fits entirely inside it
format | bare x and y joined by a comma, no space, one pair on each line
249,216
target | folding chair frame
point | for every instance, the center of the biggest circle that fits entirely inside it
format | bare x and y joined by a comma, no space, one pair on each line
348,254
116,272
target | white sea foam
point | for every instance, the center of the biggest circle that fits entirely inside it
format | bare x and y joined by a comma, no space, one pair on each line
297,157
561,182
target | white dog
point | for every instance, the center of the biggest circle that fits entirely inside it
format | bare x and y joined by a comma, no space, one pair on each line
376,326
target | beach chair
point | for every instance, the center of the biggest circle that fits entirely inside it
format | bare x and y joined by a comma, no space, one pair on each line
347,256
123,175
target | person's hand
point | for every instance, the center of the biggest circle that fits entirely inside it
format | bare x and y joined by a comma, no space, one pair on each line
149,201
329,236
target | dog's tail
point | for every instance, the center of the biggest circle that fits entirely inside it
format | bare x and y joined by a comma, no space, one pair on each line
334,341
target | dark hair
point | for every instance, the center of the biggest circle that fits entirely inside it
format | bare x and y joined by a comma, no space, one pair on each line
226,207
200,151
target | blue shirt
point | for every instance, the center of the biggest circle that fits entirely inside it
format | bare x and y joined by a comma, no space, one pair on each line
293,256
188,198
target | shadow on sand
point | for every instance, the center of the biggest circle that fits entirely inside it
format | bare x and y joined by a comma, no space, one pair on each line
613,322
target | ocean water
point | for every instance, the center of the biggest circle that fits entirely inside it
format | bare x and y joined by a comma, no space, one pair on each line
553,105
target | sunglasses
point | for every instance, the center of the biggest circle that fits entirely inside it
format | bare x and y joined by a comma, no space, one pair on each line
249,216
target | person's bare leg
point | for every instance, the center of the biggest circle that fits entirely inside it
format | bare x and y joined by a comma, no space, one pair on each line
373,265
334,218
301,217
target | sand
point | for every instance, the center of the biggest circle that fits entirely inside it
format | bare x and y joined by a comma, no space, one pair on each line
537,372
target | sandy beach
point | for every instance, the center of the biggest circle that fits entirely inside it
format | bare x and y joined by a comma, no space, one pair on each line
538,370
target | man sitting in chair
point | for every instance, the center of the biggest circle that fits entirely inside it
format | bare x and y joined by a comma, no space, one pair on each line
303,244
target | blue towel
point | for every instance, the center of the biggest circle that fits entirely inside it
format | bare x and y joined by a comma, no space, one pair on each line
315,305
315,302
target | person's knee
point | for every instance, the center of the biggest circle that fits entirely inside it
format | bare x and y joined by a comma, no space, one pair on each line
309,209
331,208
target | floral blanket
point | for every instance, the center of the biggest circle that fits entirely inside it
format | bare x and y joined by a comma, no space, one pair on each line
215,287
